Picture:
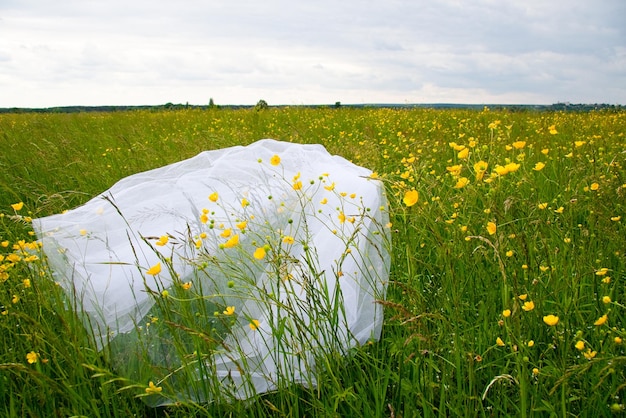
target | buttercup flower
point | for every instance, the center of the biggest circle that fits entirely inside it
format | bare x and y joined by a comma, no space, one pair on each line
461,182
288,239
500,342
601,321
259,253
254,324
229,310
539,166
552,130
491,228
551,320
275,160
154,270
17,206
410,198
232,241
580,345
506,313
32,357
589,354
528,306
153,389
162,240
213,197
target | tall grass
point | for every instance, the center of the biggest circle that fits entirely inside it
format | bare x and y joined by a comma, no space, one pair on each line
496,248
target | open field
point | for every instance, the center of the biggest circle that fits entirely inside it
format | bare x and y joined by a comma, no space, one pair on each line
507,293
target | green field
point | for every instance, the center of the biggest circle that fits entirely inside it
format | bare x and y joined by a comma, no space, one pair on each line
507,293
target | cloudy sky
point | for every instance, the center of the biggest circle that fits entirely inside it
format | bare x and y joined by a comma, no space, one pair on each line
136,52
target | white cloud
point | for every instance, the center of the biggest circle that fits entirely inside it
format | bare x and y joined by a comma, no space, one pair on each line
150,52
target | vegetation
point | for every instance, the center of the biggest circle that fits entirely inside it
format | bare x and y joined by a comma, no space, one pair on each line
508,285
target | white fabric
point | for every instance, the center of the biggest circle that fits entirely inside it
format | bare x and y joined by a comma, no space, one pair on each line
99,252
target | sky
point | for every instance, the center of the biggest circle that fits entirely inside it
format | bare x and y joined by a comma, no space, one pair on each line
150,52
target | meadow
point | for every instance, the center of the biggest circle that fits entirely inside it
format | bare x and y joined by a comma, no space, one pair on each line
507,293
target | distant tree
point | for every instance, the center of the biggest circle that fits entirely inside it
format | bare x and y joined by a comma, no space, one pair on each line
211,103
261,105
337,105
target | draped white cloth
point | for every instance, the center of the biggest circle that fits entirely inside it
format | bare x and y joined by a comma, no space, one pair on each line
319,220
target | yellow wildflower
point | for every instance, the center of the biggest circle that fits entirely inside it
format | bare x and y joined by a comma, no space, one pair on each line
154,270
519,144
617,340
229,310
242,225
26,283
500,342
552,129
410,198
259,253
17,206
542,206
580,345
551,320
606,299
275,160
455,170
463,154
152,389
32,357
162,240
594,186
232,241
506,313
187,285
539,166
226,233
601,321
528,306
461,182
342,217
589,354
213,197
254,324
297,185
491,228
244,202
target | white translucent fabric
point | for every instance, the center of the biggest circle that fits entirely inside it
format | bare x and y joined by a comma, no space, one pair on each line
285,243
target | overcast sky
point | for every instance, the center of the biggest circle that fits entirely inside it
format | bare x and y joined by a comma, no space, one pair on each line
136,52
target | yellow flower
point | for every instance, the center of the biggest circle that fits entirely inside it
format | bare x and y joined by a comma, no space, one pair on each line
580,345
530,343
187,285
152,389
535,371
232,241
519,144
288,239
500,342
17,206
606,299
528,306
26,283
323,201
32,357
539,166
545,151
213,197
511,167
500,170
275,160
579,143
603,271
463,153
523,297
244,202
617,340
542,206
506,313
242,225
616,218
226,233
552,130
551,320
254,324
162,240
154,270
83,232
259,253
229,310
204,218
594,186
509,253
455,170
297,185
461,182
410,198
589,354
559,210
342,217
601,321
491,228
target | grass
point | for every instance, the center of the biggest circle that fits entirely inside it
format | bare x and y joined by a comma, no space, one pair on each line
465,330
